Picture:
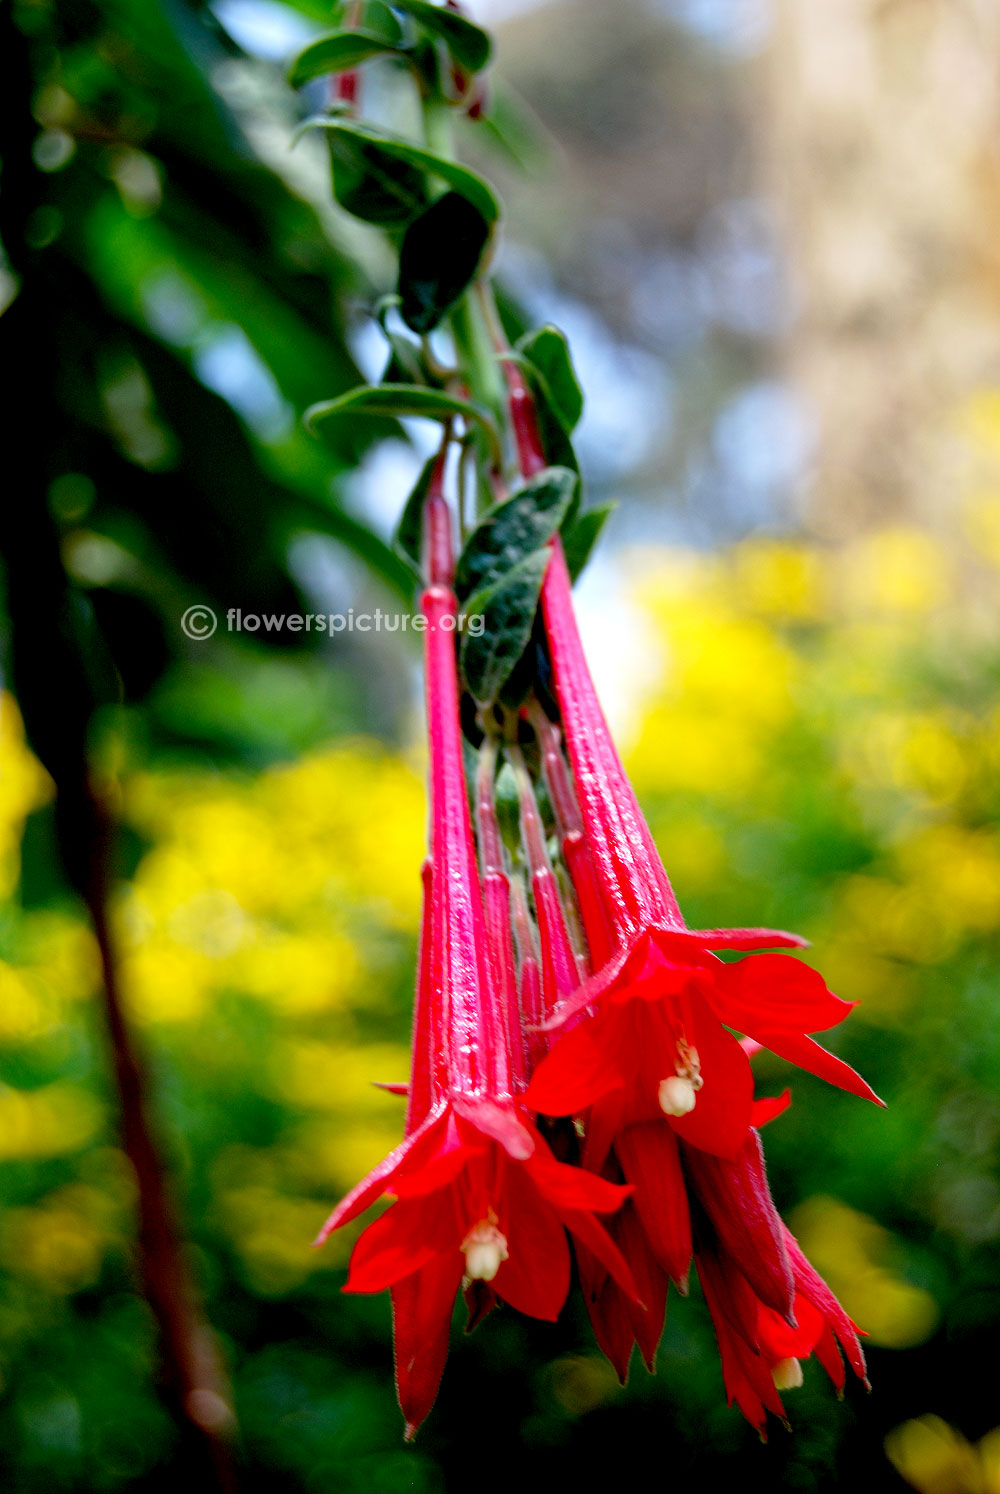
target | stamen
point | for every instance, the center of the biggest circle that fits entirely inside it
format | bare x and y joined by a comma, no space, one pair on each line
485,1250
676,1096
786,1374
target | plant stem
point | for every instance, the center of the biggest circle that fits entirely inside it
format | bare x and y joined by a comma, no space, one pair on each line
192,1374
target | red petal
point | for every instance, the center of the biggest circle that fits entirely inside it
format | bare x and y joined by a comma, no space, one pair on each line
829,1357
737,1200
575,1074
651,1279
746,1375
612,1328
421,1321
584,1227
500,1122
769,1108
777,992
650,1161
815,1290
594,988
748,939
535,1277
778,1340
798,1048
401,1241
720,1119
439,1172
414,1151
603,1122
568,1187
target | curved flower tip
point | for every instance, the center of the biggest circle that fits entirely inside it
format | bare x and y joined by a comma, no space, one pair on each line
478,1195
762,1351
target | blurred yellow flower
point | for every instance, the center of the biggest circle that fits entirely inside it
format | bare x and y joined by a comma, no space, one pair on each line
936,1459
859,1259
46,1122
894,571
781,579
24,785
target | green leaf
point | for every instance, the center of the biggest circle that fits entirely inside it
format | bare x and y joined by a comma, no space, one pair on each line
337,53
511,530
508,610
387,157
371,183
582,535
468,43
439,257
409,535
379,19
394,400
405,365
546,349
507,802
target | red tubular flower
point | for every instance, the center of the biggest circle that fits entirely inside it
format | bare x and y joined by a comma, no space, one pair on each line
665,1088
761,1346
478,1191
657,1043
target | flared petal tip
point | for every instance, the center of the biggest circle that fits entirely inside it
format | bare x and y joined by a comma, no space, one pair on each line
410,1430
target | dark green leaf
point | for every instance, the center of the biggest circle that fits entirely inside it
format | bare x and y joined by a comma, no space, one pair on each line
514,528
337,53
508,610
468,43
439,257
388,157
371,183
408,538
546,349
582,535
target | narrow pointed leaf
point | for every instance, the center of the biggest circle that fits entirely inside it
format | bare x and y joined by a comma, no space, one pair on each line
508,609
398,400
388,156
547,351
408,538
337,53
582,535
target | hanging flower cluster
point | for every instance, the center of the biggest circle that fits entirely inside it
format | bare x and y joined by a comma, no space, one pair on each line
577,1082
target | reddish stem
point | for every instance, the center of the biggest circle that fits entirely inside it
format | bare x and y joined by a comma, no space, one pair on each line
193,1378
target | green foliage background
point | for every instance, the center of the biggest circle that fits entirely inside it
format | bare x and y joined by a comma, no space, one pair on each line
819,750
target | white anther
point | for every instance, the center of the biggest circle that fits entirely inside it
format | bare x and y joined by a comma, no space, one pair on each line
676,1096
485,1251
786,1374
